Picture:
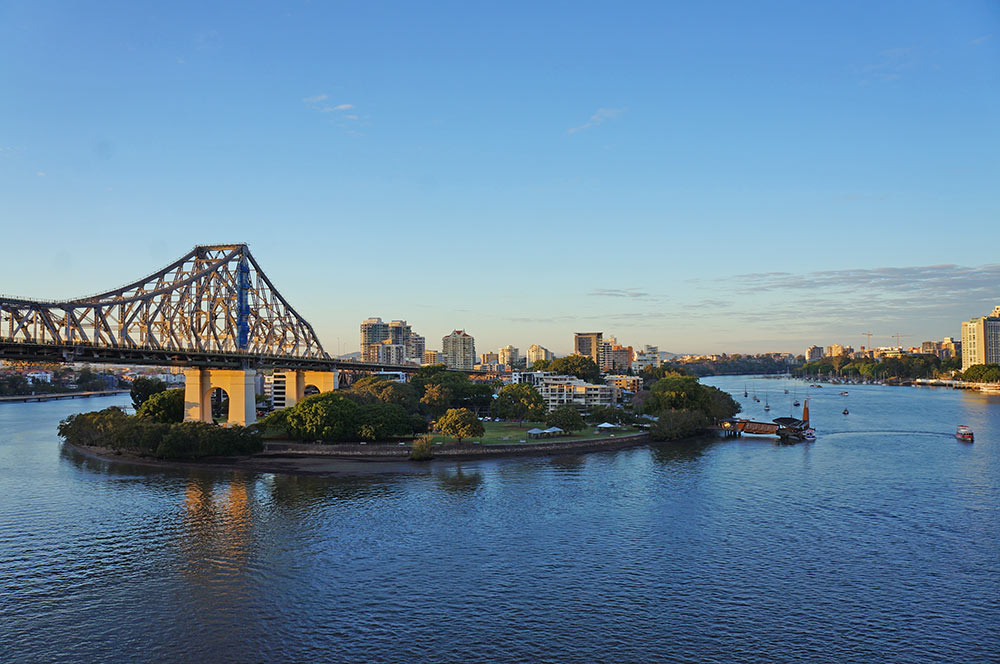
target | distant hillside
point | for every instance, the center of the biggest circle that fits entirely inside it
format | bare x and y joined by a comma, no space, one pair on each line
356,355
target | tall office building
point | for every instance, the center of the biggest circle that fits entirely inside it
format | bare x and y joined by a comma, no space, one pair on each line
589,344
981,340
459,350
415,347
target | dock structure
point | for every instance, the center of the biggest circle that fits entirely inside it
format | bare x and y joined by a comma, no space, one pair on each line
787,428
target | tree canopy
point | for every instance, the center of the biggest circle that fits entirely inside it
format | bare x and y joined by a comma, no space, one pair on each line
580,366
460,423
167,406
143,388
566,418
982,373
519,401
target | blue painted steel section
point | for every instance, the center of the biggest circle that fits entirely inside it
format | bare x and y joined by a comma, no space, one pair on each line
243,306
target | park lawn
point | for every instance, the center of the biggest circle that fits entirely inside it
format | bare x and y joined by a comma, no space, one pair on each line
512,433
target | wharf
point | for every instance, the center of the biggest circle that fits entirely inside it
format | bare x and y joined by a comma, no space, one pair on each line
54,396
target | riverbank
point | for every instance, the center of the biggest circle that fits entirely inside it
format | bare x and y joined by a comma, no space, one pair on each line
316,459
55,396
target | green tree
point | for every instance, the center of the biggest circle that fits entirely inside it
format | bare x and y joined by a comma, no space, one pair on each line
386,390
477,397
165,406
566,418
328,417
580,366
143,388
460,423
436,399
519,401
541,365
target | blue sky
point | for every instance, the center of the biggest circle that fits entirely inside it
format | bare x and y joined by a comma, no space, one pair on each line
723,176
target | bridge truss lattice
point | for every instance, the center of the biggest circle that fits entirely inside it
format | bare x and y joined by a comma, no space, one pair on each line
215,299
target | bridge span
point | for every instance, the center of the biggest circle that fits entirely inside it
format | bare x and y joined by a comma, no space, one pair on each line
213,311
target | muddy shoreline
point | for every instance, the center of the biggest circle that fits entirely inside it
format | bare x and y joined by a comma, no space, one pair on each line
312,459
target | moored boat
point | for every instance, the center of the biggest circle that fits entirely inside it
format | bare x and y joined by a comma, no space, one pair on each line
964,433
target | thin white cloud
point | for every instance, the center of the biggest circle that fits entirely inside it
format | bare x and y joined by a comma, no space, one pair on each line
315,99
981,40
40,174
598,118
343,107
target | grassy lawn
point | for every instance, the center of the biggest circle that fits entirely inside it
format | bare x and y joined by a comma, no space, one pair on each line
512,433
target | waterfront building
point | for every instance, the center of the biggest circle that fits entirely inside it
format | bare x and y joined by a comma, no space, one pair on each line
589,344
814,353
536,353
509,355
571,391
623,385
981,340
459,349
835,350
649,356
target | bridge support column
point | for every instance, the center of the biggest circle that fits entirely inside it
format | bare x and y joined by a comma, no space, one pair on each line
197,395
239,387
295,387
324,381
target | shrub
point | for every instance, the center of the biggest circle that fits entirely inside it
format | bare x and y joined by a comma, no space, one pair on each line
422,448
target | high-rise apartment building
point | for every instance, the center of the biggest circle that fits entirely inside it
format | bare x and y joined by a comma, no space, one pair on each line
509,355
459,350
981,340
415,347
489,358
616,358
536,353
589,344
814,353
433,357
373,333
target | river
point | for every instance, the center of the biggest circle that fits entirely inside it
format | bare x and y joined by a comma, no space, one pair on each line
880,542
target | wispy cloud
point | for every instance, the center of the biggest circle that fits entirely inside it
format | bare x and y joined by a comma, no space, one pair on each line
890,65
617,292
981,40
598,118
345,115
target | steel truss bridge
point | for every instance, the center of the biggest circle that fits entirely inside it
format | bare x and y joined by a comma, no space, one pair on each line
211,311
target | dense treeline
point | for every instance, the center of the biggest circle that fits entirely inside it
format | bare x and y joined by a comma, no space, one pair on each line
112,428
377,408
726,365
684,407
63,380
909,367
982,373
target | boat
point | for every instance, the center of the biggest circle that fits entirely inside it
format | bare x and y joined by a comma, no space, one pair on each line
964,433
744,391
786,391
767,406
809,435
846,411
843,394
795,403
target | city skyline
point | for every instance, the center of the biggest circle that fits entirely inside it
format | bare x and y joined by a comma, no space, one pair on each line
773,179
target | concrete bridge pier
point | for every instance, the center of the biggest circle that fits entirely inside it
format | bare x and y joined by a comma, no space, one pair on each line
239,387
296,382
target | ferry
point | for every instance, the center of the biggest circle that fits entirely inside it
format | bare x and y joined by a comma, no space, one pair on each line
964,433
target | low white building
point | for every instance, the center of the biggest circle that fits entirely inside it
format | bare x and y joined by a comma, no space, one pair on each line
39,376
569,390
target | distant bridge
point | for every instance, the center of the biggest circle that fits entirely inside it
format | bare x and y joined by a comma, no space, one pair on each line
212,311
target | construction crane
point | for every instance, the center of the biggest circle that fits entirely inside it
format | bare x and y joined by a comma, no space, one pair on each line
897,337
869,335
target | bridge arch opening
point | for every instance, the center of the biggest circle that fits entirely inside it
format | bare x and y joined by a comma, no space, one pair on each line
220,405
309,390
